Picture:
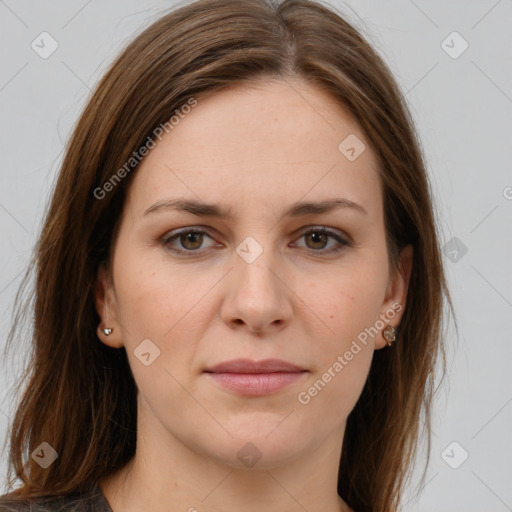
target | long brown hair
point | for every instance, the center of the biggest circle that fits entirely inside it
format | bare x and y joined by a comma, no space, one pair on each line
80,396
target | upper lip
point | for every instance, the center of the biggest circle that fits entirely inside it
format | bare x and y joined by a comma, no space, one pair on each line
249,366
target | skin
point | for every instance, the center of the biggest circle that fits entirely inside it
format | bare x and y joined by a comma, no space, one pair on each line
255,150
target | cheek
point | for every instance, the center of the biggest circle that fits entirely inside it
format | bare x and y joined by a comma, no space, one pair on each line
333,393
345,304
157,303
159,329
152,295
348,304
343,353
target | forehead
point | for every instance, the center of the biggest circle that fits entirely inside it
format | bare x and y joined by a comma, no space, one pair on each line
270,143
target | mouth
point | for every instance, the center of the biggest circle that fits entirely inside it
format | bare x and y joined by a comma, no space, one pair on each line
255,378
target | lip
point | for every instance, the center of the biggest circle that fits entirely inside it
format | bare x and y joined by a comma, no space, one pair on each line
249,366
255,378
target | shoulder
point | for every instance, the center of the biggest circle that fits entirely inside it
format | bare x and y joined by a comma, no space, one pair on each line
48,504
10,504
91,499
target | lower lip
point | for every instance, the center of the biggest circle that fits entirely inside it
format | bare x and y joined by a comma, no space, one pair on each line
254,384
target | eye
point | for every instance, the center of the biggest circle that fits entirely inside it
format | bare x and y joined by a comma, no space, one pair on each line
317,239
190,240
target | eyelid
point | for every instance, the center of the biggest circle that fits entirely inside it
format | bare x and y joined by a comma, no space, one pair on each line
324,229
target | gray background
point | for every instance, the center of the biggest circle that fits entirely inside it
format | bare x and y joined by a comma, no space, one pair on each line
462,107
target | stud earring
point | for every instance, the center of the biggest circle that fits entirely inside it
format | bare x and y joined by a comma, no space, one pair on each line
106,332
389,334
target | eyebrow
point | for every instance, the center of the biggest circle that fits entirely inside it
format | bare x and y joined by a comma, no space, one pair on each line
217,211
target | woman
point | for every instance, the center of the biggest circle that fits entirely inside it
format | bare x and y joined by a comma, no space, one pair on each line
239,284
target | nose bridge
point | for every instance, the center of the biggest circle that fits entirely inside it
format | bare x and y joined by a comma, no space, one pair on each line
256,297
254,262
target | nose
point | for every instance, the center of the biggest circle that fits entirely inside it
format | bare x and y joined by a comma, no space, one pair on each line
257,298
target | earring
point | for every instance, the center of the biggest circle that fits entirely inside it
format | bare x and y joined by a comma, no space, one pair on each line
106,332
389,334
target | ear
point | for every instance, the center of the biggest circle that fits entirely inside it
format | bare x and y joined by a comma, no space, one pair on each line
106,306
393,306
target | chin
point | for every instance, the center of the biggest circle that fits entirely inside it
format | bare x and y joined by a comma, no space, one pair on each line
258,446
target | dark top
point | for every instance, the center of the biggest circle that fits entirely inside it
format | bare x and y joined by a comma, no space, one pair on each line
91,499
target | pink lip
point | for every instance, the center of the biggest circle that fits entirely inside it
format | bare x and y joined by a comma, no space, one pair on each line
249,366
254,378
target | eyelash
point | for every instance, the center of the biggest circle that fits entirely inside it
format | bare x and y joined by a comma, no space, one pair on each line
166,239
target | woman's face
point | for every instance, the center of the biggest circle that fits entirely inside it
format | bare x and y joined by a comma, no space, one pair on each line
193,288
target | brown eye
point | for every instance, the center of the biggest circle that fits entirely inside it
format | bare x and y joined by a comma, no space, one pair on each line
317,238
186,241
191,240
